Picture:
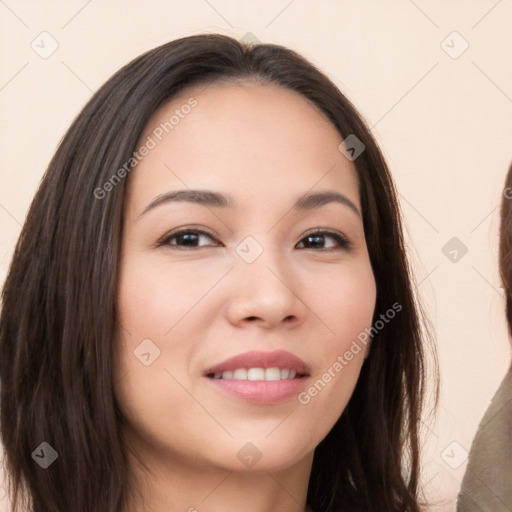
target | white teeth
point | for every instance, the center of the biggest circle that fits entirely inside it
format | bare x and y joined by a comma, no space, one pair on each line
240,374
253,374
256,374
272,374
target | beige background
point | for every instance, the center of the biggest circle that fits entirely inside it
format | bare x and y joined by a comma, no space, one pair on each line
443,118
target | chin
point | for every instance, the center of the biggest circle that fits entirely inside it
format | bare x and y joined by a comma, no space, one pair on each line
263,454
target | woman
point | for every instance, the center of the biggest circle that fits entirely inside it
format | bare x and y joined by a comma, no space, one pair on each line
487,483
279,365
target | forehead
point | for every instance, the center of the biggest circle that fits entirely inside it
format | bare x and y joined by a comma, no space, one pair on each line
254,140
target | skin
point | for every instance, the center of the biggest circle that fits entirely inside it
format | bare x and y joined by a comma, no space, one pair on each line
265,146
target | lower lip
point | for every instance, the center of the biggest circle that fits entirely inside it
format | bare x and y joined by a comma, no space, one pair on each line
260,391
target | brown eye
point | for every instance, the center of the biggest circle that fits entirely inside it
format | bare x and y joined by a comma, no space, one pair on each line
186,238
319,239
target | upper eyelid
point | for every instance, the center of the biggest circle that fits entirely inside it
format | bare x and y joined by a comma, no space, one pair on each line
180,231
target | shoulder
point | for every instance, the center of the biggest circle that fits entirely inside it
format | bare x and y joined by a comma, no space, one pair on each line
486,483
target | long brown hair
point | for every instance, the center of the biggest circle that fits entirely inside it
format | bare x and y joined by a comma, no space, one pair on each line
59,318
505,246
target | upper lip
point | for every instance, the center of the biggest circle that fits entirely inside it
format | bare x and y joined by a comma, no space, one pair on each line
259,359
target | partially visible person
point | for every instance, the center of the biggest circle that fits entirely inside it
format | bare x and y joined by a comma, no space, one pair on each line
487,484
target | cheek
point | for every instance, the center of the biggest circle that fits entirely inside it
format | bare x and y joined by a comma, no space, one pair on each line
161,314
156,308
344,302
155,298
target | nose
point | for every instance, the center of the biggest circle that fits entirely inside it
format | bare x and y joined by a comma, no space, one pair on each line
266,293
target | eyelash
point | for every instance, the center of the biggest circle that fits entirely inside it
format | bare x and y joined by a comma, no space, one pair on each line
343,242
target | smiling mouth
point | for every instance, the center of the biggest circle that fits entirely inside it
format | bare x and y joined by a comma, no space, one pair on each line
260,377
258,374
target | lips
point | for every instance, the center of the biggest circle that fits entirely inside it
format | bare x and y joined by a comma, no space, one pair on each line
279,359
262,378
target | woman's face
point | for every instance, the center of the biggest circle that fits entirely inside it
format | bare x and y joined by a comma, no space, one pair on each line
270,274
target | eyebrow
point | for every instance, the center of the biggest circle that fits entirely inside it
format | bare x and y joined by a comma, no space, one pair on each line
310,201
